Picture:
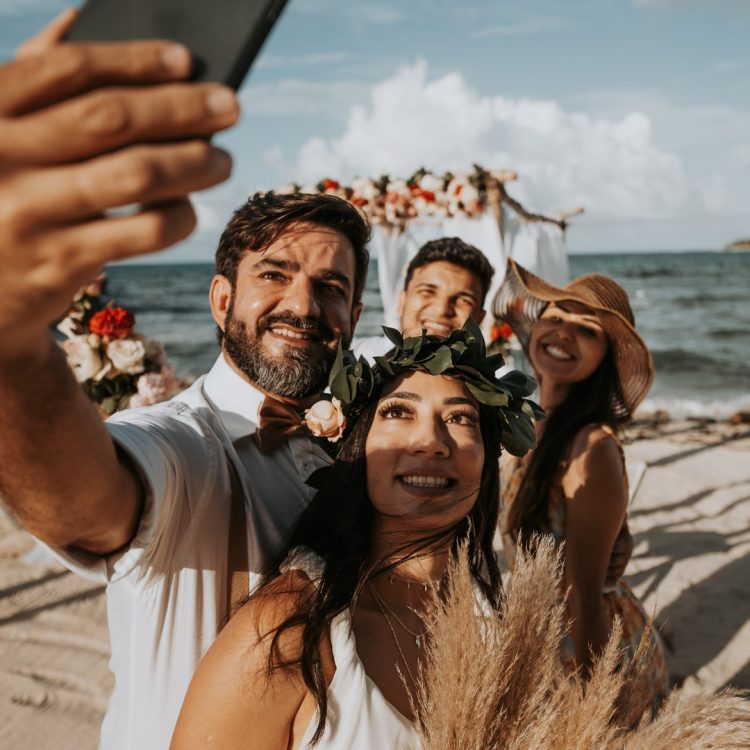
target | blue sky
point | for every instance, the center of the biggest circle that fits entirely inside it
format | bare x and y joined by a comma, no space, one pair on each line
638,110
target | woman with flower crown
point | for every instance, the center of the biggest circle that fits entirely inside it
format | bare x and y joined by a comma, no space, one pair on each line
327,652
593,370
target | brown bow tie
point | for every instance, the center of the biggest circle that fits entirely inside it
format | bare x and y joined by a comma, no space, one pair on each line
277,422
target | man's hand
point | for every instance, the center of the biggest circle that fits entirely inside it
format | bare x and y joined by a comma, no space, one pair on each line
84,129
620,557
87,128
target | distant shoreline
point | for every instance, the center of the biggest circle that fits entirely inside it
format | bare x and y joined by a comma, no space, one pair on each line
740,246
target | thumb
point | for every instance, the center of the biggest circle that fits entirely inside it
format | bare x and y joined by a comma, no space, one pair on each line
49,36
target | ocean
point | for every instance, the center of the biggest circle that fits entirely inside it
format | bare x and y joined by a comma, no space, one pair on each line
692,309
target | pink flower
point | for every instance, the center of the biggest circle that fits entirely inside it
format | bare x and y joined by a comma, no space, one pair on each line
325,419
154,387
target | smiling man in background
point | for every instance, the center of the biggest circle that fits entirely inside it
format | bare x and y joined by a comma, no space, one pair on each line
446,284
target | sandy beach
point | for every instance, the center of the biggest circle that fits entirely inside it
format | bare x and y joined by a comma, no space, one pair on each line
690,517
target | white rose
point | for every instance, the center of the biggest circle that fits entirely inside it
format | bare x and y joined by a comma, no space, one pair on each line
70,326
83,359
469,196
325,419
456,187
431,183
399,188
365,188
127,355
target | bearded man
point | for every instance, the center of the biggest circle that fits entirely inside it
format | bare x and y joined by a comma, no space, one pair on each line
172,505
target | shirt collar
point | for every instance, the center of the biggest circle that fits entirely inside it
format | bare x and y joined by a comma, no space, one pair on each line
236,400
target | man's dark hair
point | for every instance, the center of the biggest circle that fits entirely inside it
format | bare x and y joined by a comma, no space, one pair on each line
263,218
456,251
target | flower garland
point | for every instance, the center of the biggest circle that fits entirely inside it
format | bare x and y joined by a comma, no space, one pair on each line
117,367
394,202
353,383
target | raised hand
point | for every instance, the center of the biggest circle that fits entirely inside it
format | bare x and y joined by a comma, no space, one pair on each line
83,129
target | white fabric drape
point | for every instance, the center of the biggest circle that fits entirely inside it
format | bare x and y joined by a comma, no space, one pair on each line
538,246
395,250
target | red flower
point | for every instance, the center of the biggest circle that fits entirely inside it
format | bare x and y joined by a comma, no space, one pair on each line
358,201
329,184
428,195
502,332
112,323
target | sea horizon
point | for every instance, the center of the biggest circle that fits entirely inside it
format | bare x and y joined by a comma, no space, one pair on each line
691,307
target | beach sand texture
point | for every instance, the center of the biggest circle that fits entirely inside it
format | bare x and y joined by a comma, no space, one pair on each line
690,518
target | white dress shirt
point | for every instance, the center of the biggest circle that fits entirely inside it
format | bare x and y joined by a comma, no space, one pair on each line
167,592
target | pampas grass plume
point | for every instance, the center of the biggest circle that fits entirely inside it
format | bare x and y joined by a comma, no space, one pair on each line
493,681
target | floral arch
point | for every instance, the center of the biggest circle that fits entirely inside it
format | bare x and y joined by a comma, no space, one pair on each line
475,206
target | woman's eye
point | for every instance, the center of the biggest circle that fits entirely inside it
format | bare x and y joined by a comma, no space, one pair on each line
394,412
587,332
463,418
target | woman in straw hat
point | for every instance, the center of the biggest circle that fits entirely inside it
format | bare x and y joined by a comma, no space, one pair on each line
593,370
328,651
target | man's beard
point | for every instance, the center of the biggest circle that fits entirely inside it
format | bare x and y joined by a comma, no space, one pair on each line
298,373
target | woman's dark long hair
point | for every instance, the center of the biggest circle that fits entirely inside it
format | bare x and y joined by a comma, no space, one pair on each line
592,401
338,526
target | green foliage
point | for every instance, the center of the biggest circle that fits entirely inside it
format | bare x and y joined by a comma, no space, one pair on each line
461,355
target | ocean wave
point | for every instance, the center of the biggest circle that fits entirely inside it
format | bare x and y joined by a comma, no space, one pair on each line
680,360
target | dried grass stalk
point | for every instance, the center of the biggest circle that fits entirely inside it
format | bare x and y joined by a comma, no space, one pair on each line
496,683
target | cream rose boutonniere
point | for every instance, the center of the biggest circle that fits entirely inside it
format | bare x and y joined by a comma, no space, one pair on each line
326,419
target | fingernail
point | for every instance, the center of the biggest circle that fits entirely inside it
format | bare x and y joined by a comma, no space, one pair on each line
222,161
221,101
177,60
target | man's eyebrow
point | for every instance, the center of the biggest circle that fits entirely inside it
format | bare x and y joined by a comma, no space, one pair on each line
287,265
337,276
267,260
407,395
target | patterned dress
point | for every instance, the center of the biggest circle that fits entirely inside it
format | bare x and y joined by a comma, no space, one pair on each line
619,599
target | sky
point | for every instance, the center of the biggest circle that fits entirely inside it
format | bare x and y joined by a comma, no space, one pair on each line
637,110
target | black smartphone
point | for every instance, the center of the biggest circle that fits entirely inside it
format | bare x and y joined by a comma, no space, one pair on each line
224,36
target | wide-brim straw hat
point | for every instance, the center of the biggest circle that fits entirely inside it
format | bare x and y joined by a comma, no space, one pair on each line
523,296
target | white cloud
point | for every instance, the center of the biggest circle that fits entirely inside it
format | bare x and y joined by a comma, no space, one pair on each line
211,215
612,166
523,28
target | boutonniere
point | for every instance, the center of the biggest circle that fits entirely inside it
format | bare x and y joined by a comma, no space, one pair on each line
325,419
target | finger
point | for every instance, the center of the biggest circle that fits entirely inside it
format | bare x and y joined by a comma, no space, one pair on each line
102,121
79,250
51,34
67,70
141,174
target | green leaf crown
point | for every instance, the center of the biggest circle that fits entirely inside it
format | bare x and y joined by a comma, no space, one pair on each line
461,355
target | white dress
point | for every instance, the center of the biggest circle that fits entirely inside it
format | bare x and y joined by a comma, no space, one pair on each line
359,715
